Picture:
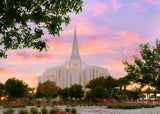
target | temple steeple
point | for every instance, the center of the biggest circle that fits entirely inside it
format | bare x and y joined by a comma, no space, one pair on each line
75,49
75,60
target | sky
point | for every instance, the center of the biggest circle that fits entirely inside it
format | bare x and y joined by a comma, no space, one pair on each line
108,32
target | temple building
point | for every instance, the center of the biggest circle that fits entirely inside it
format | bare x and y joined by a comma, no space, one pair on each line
74,71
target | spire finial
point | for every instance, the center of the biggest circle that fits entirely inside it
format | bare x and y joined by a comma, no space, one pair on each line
75,27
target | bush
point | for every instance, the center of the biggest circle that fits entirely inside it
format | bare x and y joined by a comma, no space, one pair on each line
9,111
67,110
73,110
54,110
44,110
23,111
34,110
130,106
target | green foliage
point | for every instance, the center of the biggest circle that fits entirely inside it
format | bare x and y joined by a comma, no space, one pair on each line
34,110
108,83
64,93
73,110
9,111
54,110
15,88
67,109
44,110
76,91
2,90
130,106
23,111
96,82
146,69
17,15
96,93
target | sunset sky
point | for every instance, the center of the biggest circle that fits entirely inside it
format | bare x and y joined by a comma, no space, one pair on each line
108,32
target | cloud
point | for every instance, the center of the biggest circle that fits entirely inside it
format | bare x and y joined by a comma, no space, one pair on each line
152,2
99,8
130,36
86,27
138,6
156,19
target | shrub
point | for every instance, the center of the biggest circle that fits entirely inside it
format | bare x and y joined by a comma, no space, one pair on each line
44,110
23,111
67,110
9,111
73,110
130,106
34,110
54,110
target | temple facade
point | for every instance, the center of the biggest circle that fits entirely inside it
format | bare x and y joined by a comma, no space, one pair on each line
74,71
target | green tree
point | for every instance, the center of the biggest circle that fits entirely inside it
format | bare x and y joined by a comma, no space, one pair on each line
16,88
49,89
17,15
100,81
96,93
2,90
146,69
76,91
123,82
64,93
110,83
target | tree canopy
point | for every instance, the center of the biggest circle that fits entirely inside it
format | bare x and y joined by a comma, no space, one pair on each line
145,69
75,91
17,15
16,88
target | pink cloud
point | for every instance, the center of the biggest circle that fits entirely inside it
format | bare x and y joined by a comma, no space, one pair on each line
152,2
99,8
86,27
138,6
130,36
4,71
156,19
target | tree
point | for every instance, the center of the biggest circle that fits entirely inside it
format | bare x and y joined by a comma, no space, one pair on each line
123,82
100,81
108,83
49,89
2,90
64,93
76,91
17,15
145,70
96,93
16,88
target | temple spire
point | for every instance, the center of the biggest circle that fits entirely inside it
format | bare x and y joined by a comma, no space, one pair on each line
75,49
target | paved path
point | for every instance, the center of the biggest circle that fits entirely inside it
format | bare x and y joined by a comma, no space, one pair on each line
98,110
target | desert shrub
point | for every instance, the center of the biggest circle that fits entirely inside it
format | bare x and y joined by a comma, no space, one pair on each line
67,110
9,111
44,110
23,111
73,110
34,110
54,110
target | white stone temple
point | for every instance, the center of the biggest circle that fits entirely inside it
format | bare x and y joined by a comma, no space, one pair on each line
74,71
